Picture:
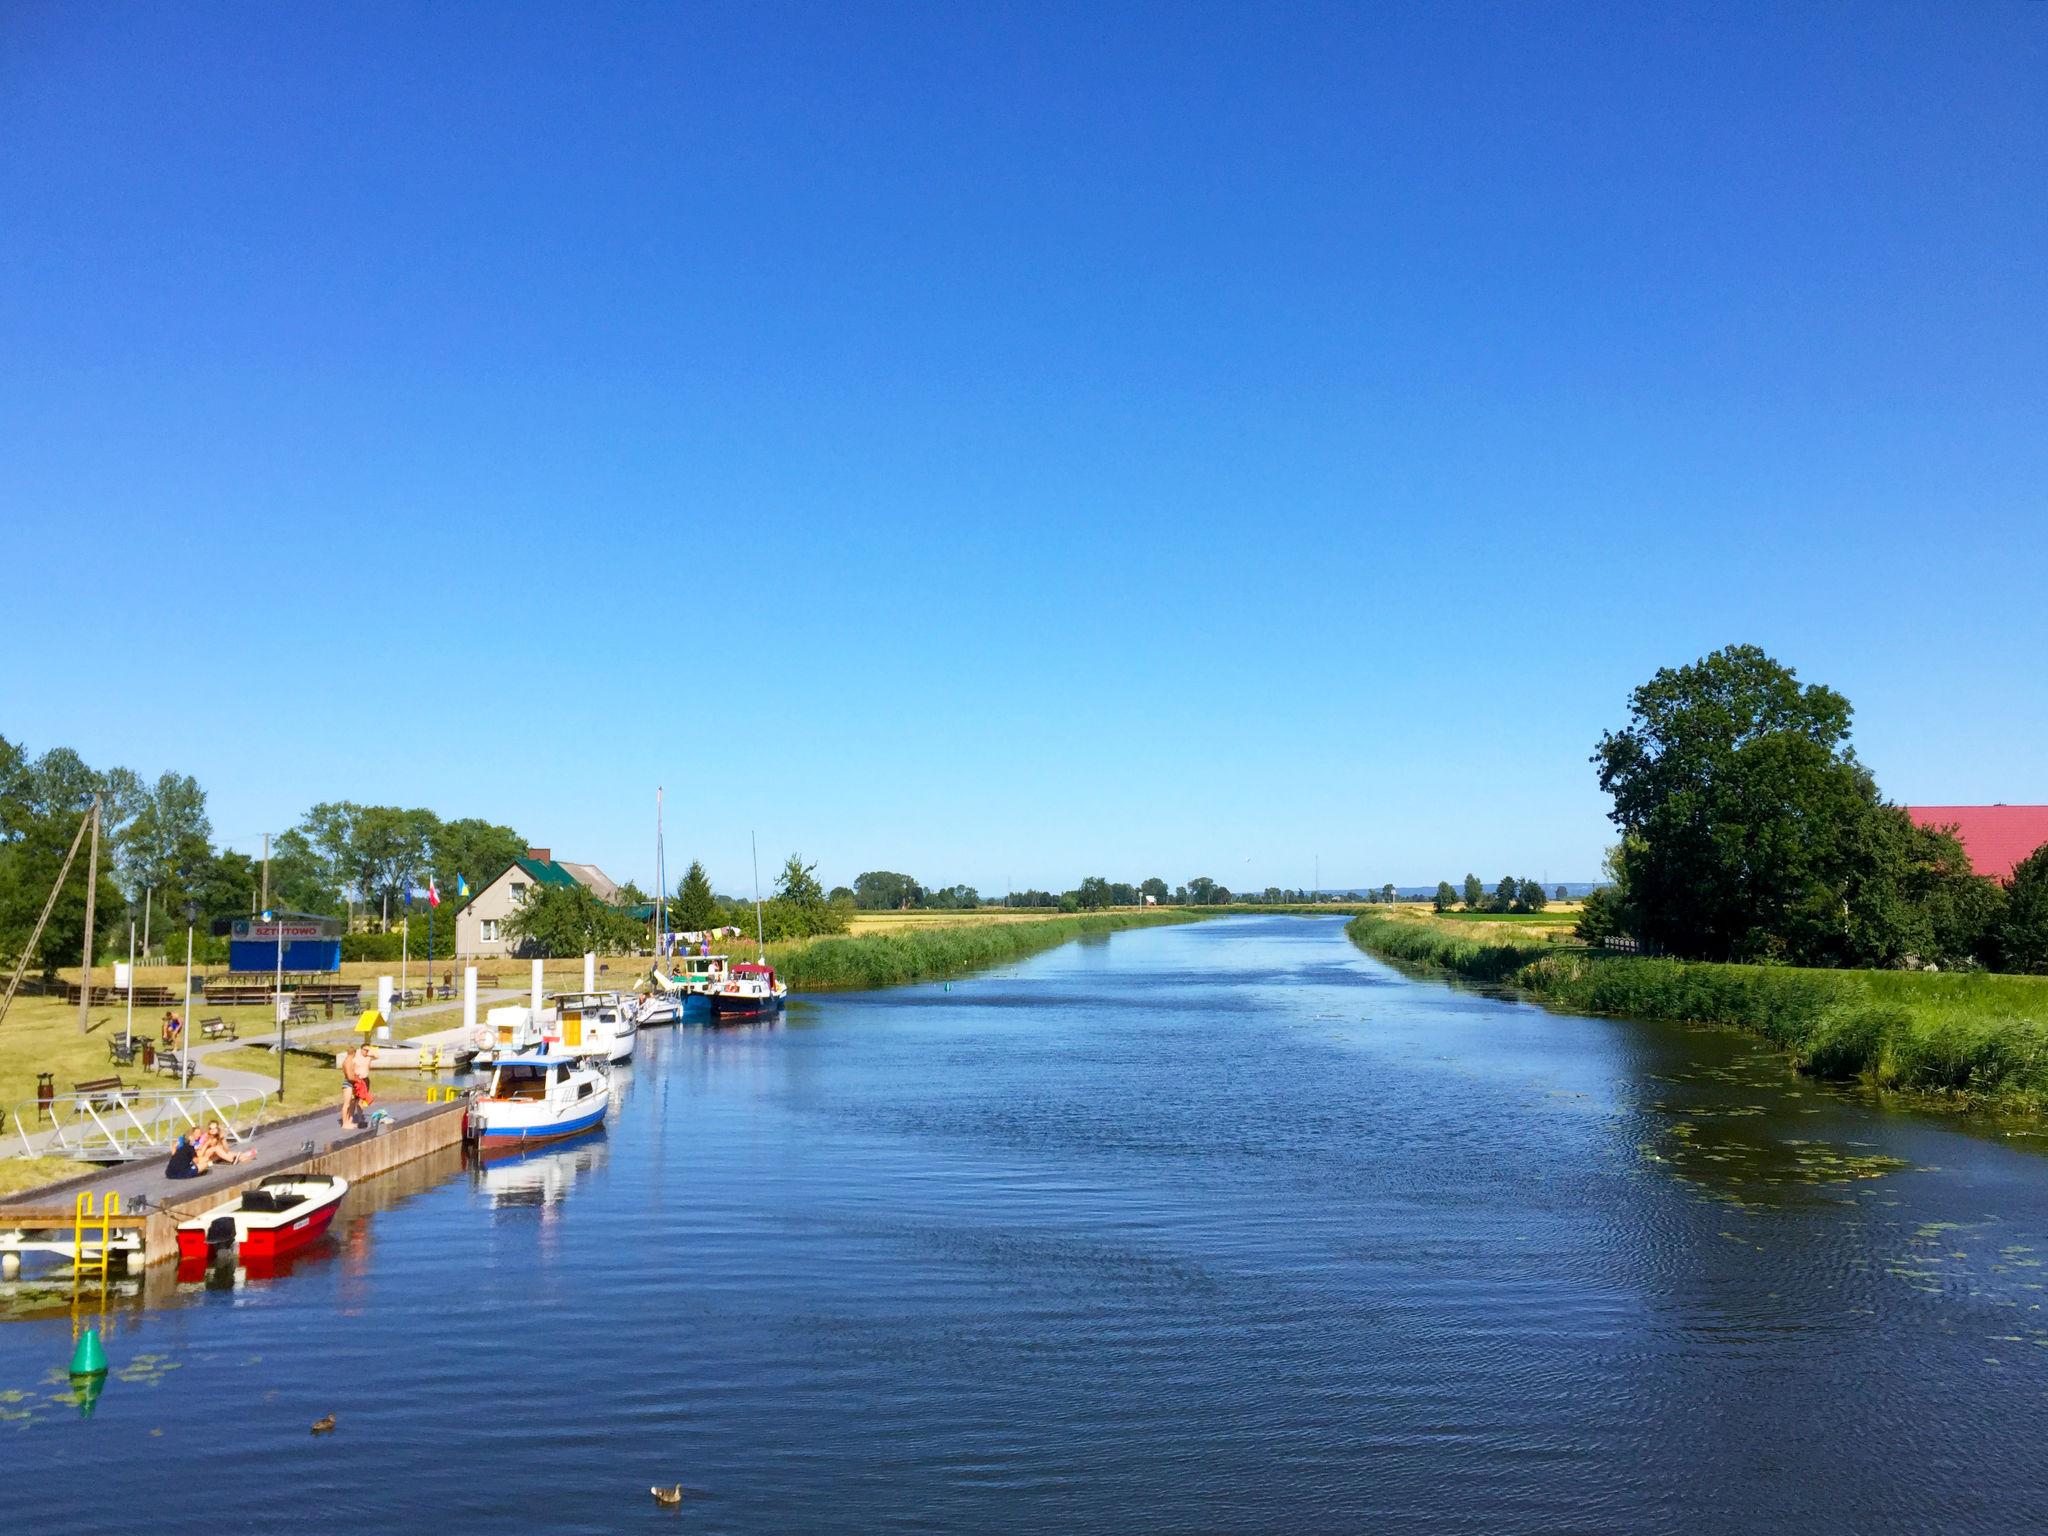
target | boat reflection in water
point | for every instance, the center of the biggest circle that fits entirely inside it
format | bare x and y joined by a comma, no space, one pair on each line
540,1179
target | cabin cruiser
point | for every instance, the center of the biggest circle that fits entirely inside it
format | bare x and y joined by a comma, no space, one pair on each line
535,1097
748,991
589,1021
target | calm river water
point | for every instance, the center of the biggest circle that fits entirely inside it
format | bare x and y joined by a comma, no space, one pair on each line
1215,1228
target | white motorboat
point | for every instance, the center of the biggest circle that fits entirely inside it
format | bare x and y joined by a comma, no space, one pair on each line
538,1097
655,1009
588,1021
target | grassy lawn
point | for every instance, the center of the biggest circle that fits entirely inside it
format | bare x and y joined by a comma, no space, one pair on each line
19,1173
41,1035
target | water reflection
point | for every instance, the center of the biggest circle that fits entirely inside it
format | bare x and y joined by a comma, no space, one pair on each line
539,1179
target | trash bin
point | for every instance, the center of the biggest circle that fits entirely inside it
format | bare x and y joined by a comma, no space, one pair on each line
46,1093
148,1057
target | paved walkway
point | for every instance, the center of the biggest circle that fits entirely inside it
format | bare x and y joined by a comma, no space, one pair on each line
278,1145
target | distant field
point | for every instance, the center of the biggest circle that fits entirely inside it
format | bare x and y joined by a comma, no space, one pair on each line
892,922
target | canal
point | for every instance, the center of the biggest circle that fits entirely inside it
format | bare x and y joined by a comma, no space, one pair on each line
1225,1227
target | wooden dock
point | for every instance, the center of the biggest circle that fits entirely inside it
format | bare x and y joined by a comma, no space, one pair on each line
309,1143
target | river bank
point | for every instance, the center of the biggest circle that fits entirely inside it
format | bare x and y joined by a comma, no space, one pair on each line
895,958
1972,1041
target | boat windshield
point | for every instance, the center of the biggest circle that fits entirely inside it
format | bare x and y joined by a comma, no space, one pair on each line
521,1083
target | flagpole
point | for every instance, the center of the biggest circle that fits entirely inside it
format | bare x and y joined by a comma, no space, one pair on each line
405,942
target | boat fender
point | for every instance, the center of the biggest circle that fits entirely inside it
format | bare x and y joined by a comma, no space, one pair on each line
481,1037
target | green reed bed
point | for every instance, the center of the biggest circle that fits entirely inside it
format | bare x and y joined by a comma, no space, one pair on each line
886,959
1977,1040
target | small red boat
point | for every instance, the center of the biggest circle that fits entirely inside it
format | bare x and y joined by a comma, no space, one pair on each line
281,1215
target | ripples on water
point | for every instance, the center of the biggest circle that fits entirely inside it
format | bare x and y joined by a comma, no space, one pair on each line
1219,1228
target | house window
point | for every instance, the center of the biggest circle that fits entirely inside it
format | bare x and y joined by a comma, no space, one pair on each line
490,927
518,892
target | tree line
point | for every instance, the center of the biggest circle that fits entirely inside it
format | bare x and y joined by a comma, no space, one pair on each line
158,858
1512,894
1751,832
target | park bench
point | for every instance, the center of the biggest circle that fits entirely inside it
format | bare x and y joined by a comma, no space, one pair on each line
216,1028
329,992
102,1092
121,1052
170,1063
234,995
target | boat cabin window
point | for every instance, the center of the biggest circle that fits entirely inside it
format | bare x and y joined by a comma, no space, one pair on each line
521,1083
585,1091
562,1073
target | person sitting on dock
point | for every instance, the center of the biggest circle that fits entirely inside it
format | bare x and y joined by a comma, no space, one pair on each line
212,1147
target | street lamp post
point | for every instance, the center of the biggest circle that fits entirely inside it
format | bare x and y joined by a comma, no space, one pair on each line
128,1029
185,1034
272,917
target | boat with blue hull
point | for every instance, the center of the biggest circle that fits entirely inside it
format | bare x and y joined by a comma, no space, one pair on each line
538,1098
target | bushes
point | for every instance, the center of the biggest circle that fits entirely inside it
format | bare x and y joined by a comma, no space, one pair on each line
1979,1037
925,954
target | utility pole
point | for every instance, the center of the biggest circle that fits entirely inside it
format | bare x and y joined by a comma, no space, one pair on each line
92,888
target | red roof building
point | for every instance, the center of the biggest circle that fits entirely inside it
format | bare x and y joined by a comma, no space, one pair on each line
1996,837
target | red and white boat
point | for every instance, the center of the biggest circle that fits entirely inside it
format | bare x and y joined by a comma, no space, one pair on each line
281,1215
748,991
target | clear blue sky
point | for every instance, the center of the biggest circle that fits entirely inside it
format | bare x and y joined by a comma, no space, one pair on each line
1014,442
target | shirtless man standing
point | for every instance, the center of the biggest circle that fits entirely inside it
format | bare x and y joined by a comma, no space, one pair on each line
355,1080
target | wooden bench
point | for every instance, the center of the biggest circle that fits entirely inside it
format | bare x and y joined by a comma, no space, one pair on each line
122,1052
232,995
217,1028
103,1092
170,1063
336,992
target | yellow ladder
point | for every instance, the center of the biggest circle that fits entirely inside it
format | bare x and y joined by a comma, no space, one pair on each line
84,1216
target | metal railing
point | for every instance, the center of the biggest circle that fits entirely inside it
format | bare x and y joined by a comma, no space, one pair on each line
121,1127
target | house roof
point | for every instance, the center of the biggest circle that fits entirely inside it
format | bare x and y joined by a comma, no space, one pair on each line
1996,837
593,879
546,871
542,871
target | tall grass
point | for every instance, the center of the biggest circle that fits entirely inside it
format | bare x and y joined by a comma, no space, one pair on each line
1976,1039
888,959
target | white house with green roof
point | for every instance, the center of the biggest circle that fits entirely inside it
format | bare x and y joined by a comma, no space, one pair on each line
480,922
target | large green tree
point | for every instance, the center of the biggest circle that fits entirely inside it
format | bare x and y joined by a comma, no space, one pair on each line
884,890
1475,893
1750,830
695,907
560,920
800,909
2023,933
41,803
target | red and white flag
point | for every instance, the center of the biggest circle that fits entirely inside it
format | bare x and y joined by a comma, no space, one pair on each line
433,892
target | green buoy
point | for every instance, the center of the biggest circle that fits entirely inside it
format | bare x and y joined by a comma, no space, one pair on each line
89,1359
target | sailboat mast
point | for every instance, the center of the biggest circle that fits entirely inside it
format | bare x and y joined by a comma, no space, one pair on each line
660,882
760,944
